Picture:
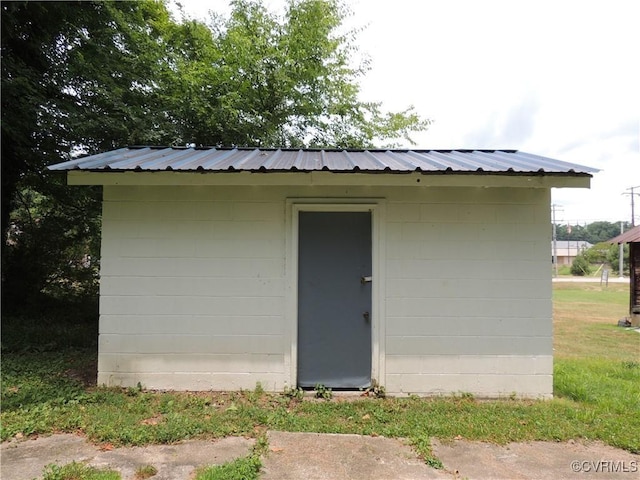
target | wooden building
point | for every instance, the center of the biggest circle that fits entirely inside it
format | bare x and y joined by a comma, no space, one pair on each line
632,237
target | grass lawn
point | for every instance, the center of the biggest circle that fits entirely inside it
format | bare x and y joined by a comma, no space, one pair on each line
597,363
45,389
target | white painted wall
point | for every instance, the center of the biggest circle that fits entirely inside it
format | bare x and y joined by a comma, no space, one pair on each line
194,288
469,292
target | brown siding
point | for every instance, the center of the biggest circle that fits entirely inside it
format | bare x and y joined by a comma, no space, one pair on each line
634,270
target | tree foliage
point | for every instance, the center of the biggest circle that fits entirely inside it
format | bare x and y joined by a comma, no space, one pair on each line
580,266
255,79
593,233
613,258
74,79
84,77
605,254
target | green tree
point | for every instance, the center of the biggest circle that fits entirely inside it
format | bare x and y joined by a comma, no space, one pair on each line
594,232
599,253
570,232
602,231
613,258
77,77
84,77
255,79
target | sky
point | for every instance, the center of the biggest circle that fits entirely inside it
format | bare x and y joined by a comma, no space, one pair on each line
555,78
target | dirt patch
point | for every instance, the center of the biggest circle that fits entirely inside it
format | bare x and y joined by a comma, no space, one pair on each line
87,374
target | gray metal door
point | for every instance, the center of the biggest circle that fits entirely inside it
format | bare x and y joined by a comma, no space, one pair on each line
334,299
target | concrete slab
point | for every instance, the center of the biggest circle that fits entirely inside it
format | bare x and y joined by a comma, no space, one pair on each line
26,460
537,460
330,456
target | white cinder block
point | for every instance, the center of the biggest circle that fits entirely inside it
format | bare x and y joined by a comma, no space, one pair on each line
477,213
403,212
192,267
187,324
191,363
198,344
469,364
467,326
194,381
440,213
175,305
536,386
194,288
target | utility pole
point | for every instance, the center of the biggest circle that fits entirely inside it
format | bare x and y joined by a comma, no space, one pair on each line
554,207
621,251
632,193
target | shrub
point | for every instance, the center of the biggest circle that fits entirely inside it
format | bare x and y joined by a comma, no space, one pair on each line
580,266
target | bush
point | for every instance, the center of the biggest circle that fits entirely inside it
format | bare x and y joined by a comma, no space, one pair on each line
580,266
613,258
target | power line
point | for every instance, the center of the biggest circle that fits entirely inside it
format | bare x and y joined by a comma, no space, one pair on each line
632,194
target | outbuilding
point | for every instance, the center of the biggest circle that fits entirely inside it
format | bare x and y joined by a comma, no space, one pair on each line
632,237
423,271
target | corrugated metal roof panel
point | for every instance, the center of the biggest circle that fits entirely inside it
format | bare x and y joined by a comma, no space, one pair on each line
630,236
265,160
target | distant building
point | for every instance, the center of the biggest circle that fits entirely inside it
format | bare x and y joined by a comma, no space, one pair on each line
632,237
568,250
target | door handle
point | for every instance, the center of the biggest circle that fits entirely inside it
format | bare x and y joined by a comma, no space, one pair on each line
364,280
367,317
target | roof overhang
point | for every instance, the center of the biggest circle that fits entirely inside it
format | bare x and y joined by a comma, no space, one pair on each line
322,178
630,236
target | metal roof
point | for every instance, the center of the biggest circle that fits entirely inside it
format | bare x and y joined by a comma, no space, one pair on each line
630,236
210,159
572,244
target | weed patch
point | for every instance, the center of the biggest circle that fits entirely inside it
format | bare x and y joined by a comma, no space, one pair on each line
145,471
245,468
78,471
323,392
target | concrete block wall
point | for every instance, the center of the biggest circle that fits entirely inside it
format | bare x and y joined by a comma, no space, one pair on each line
468,293
194,288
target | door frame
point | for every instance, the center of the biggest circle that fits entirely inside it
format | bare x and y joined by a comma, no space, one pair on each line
377,208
